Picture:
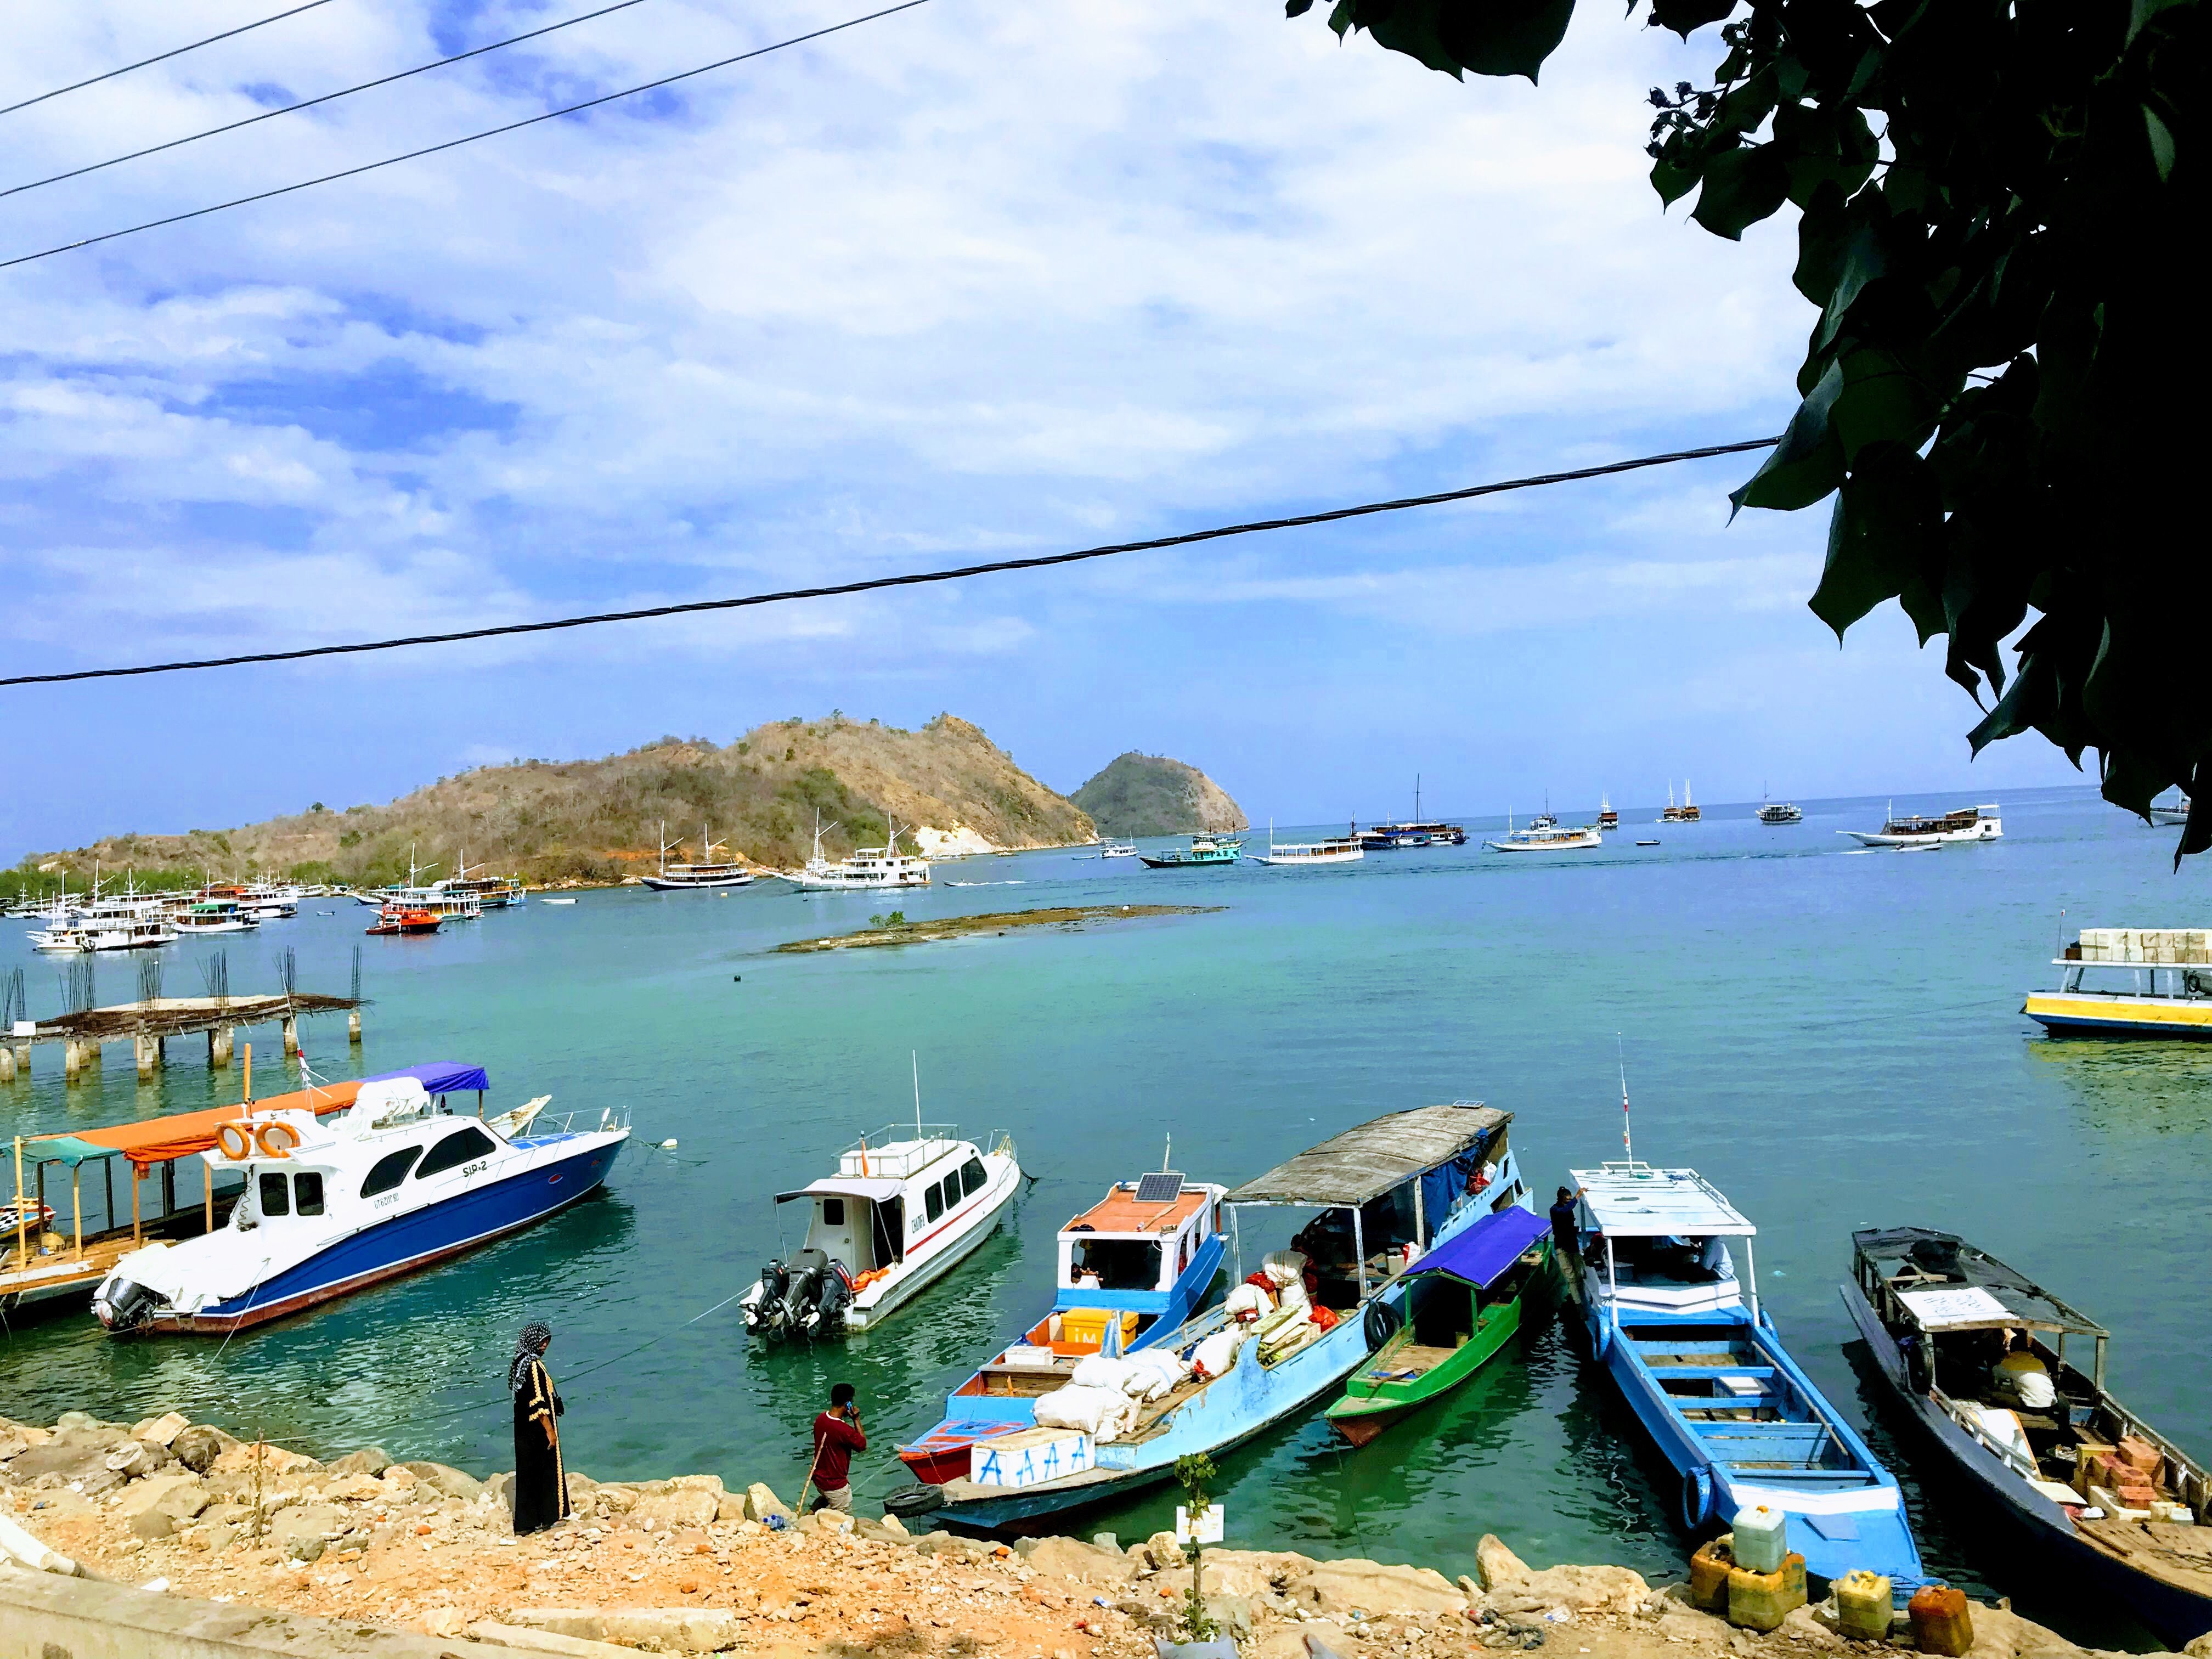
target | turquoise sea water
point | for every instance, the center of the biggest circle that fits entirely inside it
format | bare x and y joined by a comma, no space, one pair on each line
1833,1038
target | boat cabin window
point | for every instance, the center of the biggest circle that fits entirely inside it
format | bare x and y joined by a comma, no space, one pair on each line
456,1148
934,1202
307,1192
1121,1264
971,1174
952,1190
389,1172
833,1212
276,1195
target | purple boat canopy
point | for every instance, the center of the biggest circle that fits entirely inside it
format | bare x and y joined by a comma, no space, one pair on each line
440,1077
1487,1249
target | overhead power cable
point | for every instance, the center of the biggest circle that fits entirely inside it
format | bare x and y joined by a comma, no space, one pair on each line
469,138
326,98
162,56
913,580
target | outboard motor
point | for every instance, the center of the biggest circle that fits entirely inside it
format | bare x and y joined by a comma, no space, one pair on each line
122,1305
835,1295
765,1312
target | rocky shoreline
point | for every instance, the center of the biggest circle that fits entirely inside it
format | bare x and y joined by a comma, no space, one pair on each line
686,1565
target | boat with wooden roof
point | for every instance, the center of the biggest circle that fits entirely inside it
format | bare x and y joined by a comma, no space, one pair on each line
1129,1270
1704,1370
1545,833
1978,1355
1465,1300
1912,829
1412,1177
2130,982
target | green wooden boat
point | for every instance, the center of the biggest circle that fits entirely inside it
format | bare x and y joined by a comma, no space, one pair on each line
1204,849
1462,1303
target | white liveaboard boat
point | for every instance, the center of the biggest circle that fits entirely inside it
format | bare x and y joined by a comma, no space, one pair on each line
1968,823
684,878
1545,833
133,924
865,869
333,1201
1110,848
1305,855
906,1206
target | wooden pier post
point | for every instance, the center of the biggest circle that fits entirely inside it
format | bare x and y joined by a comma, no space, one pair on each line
218,1038
137,1234
291,1034
353,1026
22,1256
76,1205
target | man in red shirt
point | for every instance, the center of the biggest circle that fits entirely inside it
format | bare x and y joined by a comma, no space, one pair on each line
838,1436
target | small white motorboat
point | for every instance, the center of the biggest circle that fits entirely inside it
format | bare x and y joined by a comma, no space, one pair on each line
898,1215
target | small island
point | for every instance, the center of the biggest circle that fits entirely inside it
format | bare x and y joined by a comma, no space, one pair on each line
895,929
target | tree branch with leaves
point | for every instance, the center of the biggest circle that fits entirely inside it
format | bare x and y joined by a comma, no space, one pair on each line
2001,397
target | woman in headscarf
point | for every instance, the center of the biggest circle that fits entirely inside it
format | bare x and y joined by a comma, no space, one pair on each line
541,1484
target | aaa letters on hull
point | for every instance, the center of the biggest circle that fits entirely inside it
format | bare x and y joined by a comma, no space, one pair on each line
1029,1457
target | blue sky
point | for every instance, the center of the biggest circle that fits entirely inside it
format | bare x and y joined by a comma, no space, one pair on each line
963,284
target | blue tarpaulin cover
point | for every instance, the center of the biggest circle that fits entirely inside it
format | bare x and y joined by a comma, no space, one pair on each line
440,1077
1487,1249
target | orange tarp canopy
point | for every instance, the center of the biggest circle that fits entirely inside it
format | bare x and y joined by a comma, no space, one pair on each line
157,1139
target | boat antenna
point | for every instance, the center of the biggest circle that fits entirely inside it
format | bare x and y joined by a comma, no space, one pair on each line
1627,1146
1167,1154
915,1055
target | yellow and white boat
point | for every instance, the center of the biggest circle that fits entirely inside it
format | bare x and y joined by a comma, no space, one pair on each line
2130,982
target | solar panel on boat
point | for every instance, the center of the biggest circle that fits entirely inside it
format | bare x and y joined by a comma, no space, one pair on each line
1161,1187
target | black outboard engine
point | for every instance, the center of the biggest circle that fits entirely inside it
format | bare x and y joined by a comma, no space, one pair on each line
764,1305
123,1305
834,1297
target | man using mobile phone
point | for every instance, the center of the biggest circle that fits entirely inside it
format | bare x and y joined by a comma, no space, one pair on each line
838,1436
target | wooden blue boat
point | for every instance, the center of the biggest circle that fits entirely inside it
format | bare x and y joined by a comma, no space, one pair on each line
1420,1177
1706,1373
1204,850
1130,1270
1936,1313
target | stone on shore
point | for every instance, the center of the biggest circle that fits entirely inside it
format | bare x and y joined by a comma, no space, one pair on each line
371,1461
1063,1558
1578,1589
446,1478
1495,1565
665,1629
1371,1588
243,1457
161,1431
197,1447
761,1501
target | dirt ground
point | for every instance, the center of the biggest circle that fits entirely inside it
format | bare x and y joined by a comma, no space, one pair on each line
685,1565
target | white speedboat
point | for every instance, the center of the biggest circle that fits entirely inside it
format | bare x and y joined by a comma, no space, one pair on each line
1968,823
1545,833
2177,813
683,877
334,1202
866,868
898,1215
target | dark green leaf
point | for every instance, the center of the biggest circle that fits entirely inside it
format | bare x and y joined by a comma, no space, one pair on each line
2161,144
1504,37
1883,536
1807,463
1296,8
1883,402
1684,16
1741,187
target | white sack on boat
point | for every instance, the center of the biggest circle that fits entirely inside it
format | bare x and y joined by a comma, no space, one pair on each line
1247,1302
1284,1266
1292,1298
1097,1371
1161,1371
1105,1414
1217,1353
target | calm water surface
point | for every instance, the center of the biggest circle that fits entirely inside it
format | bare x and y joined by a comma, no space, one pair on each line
1832,1038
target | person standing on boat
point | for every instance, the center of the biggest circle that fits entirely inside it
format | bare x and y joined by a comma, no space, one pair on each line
1565,1235
838,1436
541,1484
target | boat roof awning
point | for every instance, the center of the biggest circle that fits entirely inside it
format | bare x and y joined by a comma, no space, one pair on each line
157,1139
439,1077
1948,1285
875,1189
1482,1252
1376,1158
1634,1200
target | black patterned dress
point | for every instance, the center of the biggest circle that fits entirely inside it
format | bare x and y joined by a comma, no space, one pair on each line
541,1483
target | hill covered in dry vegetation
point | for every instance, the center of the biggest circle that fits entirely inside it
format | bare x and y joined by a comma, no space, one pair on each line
1151,795
950,787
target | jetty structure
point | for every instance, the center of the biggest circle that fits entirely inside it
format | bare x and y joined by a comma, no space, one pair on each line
149,1021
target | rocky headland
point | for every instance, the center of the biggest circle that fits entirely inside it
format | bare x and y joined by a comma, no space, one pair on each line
1151,795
